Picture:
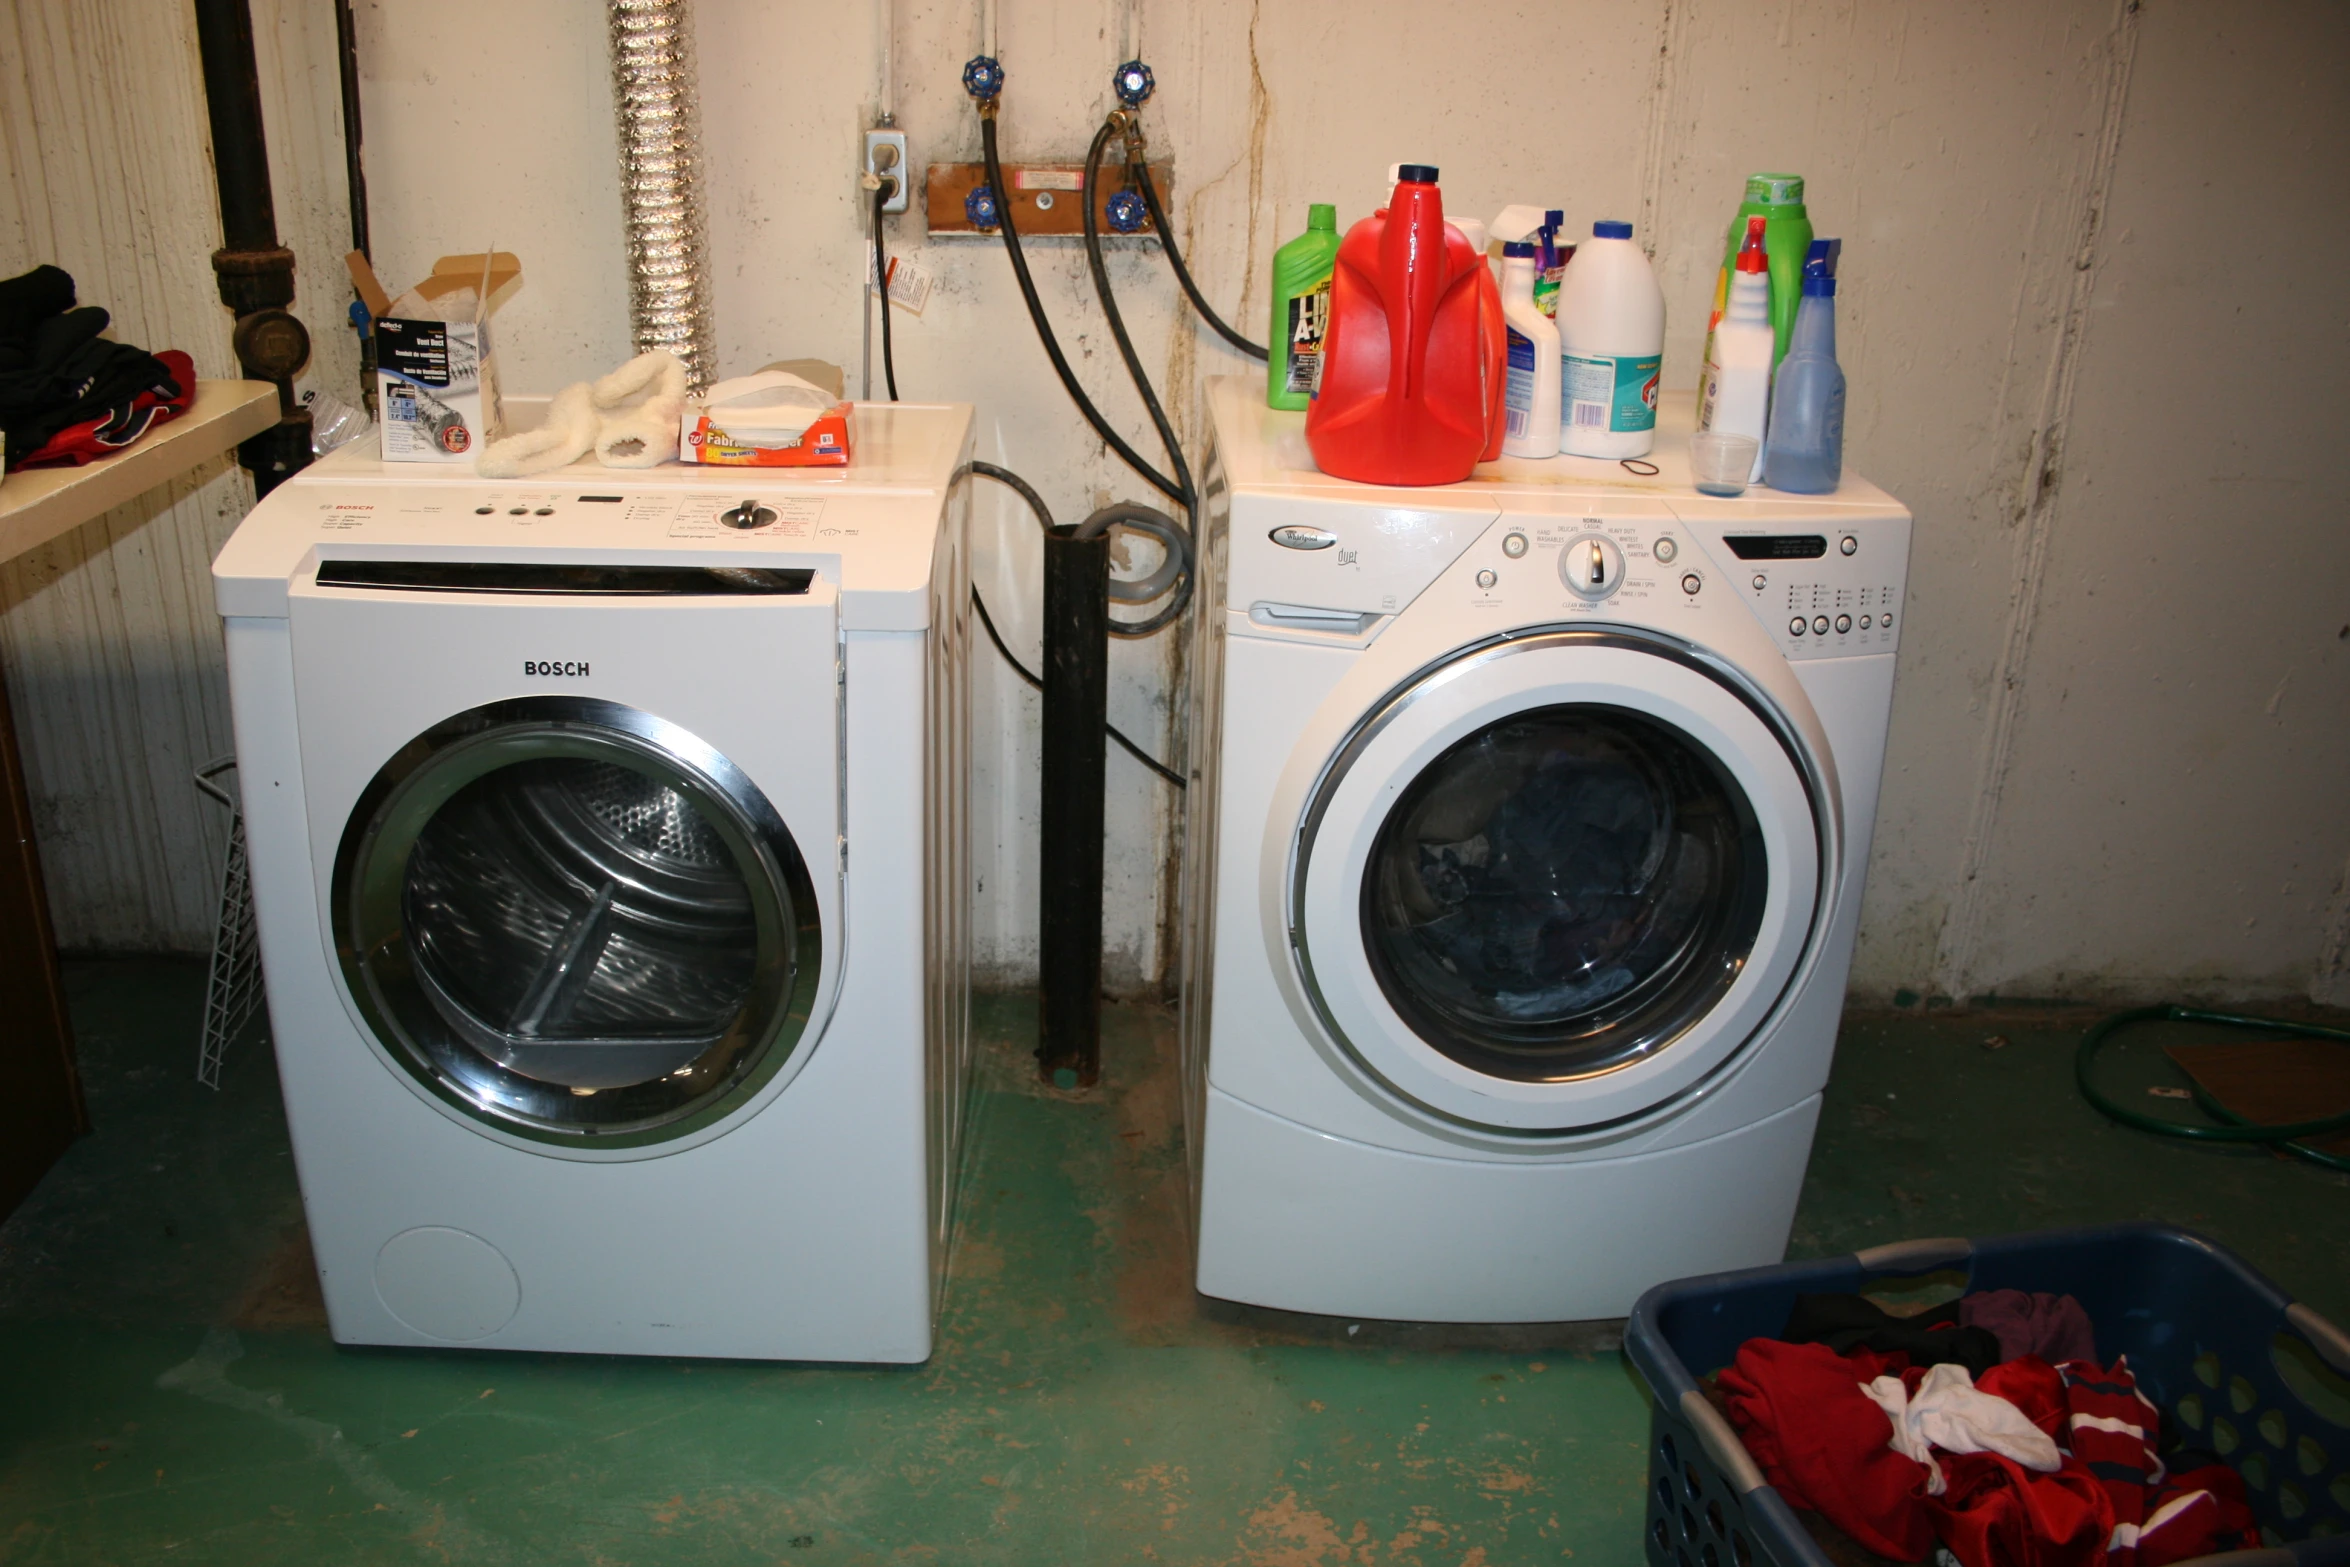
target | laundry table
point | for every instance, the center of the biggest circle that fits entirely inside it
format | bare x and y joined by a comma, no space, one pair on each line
41,1107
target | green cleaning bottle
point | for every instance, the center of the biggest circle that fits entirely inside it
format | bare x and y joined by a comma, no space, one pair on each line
1778,200
1301,310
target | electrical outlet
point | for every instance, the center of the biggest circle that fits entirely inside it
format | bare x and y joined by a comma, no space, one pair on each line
885,158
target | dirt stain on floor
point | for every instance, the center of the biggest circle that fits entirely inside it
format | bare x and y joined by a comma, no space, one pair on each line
283,1292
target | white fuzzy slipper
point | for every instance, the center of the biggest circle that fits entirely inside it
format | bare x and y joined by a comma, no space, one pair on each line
637,408
566,437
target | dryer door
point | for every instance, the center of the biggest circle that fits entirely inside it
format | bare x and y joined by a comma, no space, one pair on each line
1559,881
576,923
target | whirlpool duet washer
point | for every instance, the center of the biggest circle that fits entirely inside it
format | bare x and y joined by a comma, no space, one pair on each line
607,836
1524,858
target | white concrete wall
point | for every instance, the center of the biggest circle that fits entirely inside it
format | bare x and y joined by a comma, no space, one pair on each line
112,651
2089,312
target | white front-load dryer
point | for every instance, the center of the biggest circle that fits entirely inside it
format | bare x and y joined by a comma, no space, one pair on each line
1523,868
608,848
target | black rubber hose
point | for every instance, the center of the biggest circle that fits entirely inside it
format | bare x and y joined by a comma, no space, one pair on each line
1016,484
1029,675
889,364
1150,201
1044,328
1118,333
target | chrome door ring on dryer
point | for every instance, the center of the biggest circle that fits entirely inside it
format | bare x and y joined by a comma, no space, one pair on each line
1557,880
574,923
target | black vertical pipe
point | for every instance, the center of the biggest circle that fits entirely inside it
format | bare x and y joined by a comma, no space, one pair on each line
1076,708
255,272
240,152
355,180
354,166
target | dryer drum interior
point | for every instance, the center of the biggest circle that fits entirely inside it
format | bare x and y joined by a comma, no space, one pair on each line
575,928
1563,892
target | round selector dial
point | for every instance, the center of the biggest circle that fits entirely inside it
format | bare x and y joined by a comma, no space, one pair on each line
750,514
1591,566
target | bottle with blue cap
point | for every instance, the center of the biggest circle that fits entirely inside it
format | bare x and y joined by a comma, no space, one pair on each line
1611,322
1805,452
1531,403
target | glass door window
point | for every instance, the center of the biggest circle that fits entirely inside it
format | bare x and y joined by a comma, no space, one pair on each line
1562,892
576,923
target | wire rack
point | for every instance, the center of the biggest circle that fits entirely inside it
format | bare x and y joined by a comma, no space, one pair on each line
232,988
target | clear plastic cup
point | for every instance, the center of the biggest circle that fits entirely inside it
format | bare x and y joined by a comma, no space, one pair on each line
1719,462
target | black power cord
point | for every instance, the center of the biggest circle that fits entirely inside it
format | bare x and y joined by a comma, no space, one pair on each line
881,198
1044,517
1044,329
1025,673
1150,201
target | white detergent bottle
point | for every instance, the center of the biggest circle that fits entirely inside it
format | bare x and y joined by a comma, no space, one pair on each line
1736,394
1532,419
1611,321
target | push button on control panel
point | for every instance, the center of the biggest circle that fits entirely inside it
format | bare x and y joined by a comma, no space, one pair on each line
1691,582
1666,549
1513,545
1843,622
1797,626
1486,578
1819,625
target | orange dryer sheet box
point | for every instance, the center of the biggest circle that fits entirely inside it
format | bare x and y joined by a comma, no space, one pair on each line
774,419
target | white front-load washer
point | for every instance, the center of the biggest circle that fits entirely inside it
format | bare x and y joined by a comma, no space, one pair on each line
1524,857
607,833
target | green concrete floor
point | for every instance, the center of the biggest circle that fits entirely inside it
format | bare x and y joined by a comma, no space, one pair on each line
168,1391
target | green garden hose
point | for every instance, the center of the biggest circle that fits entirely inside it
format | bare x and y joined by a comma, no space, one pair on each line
2233,1128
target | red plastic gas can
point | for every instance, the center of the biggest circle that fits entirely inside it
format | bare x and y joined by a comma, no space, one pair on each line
1412,378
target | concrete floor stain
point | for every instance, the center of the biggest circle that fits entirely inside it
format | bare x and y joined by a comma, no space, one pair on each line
168,1390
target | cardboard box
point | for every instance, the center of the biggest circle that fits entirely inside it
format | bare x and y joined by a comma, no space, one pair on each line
436,380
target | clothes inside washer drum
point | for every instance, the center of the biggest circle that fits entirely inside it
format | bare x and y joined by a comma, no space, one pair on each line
580,923
1553,883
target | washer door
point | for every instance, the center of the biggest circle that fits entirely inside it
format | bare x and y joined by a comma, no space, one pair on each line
576,923
1557,882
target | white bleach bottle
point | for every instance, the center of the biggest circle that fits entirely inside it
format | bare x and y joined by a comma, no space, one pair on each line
1611,321
1531,421
1735,393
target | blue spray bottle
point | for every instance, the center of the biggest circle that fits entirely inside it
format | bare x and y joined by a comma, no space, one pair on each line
1804,451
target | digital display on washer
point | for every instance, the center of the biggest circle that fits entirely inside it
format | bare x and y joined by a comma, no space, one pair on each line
1777,546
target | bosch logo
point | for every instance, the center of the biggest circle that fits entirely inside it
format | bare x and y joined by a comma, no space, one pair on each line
555,669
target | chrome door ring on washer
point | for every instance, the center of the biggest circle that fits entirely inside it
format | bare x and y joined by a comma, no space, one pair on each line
1555,888
577,924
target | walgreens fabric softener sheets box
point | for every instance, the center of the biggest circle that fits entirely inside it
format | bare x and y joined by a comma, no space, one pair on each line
774,419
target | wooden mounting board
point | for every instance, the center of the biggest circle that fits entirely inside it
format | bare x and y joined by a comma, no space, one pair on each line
1044,197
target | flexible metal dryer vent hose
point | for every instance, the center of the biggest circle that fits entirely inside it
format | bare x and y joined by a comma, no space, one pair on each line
660,181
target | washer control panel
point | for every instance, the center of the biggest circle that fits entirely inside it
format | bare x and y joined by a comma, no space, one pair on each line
1824,591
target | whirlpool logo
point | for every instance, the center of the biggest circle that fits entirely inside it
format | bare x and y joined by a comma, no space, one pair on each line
555,669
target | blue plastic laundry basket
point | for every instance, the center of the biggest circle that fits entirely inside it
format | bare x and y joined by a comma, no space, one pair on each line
2246,1373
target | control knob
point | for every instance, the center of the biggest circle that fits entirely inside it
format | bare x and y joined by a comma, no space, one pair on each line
1592,567
750,514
